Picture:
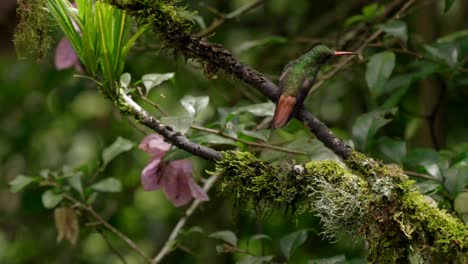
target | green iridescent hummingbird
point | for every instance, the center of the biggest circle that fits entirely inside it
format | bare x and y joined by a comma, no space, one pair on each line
296,80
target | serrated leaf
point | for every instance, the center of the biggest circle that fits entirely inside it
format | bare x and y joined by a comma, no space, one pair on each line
292,241
195,105
119,146
396,28
50,199
18,183
226,236
378,70
152,80
125,80
107,185
448,5
180,124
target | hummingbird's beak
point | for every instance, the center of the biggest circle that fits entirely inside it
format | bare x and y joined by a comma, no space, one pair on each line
340,53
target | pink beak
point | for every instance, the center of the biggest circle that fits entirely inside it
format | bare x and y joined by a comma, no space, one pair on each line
340,53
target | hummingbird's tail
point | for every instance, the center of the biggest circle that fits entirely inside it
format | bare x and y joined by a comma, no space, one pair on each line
284,109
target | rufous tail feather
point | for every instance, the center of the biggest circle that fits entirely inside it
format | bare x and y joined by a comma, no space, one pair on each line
284,109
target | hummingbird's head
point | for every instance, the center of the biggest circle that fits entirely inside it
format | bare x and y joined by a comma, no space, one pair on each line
321,54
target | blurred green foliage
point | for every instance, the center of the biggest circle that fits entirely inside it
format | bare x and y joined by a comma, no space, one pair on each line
403,102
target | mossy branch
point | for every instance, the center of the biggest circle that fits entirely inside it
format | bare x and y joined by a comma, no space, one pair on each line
399,223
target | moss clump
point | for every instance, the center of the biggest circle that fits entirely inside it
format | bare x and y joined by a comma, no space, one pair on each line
164,16
372,169
32,36
398,223
249,179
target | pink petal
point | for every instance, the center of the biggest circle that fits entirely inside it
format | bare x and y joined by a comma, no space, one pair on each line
154,144
151,176
197,191
65,56
185,170
176,187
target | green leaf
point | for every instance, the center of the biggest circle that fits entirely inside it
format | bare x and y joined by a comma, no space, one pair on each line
20,182
456,179
226,236
176,154
427,160
339,259
396,28
259,237
195,105
125,80
429,187
75,182
180,124
50,199
107,185
448,5
394,150
213,139
255,260
366,126
461,203
119,146
378,70
292,241
152,80
445,52
263,109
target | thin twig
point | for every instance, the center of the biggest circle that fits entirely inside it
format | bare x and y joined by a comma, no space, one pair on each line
112,248
422,175
106,224
223,17
170,242
222,134
146,99
250,143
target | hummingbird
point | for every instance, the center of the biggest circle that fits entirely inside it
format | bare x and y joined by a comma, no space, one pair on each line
296,80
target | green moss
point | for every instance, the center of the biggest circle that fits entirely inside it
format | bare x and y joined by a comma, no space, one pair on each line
381,207
164,16
371,168
32,36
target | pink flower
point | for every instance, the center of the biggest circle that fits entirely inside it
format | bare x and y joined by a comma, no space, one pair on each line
174,177
65,56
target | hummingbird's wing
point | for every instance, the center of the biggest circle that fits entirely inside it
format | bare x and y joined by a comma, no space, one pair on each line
284,109
285,102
